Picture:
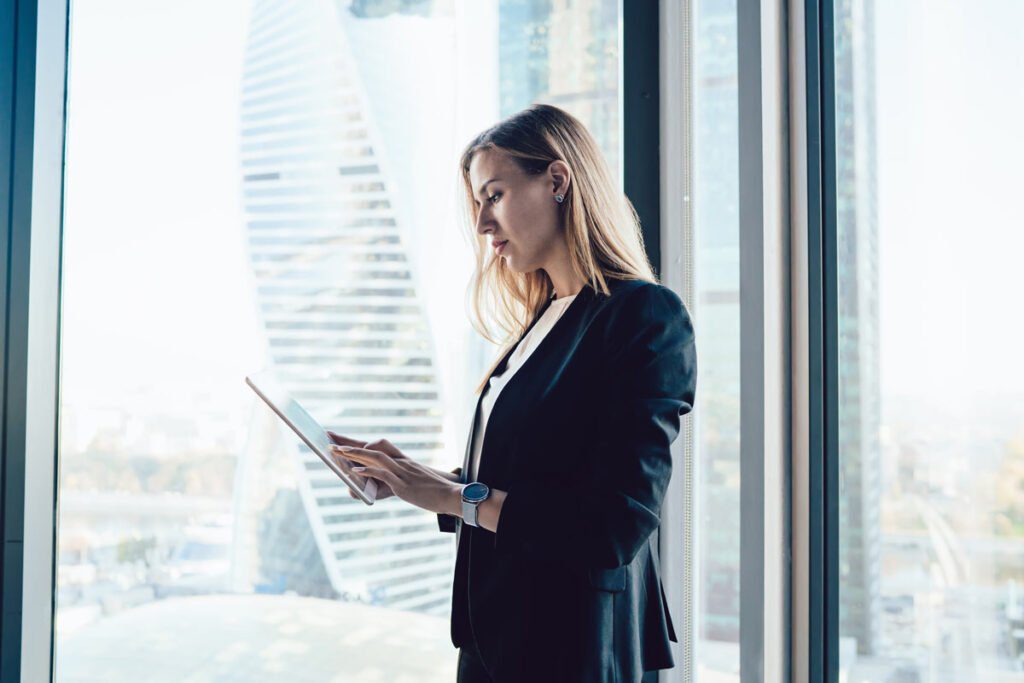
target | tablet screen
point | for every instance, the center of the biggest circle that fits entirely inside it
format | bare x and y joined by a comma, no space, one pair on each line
310,431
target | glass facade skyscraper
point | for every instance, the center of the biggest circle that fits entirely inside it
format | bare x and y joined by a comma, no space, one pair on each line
345,326
340,257
859,388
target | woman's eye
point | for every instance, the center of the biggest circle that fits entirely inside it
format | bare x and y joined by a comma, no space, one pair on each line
493,197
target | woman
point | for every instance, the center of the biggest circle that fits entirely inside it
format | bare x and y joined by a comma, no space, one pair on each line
556,507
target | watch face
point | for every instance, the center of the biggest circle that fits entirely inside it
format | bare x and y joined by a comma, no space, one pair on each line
475,491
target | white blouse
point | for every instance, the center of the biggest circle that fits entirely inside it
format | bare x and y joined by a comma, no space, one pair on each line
515,361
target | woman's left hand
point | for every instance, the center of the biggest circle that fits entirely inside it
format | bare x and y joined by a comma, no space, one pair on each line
409,480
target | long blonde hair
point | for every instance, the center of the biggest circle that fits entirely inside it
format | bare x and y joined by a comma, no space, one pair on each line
602,229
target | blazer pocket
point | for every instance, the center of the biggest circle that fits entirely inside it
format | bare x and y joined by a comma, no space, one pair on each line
613,580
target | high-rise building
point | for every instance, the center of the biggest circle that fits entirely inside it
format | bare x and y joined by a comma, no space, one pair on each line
338,223
859,382
717,313
345,326
567,55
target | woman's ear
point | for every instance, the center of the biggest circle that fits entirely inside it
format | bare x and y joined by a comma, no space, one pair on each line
560,176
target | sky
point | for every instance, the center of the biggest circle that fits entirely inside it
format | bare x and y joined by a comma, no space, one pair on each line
156,286
951,225
157,289
158,297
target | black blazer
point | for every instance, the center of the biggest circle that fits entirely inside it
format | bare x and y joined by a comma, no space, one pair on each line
568,588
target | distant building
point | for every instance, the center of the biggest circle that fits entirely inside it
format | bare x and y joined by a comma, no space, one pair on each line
567,55
717,309
344,324
333,246
860,540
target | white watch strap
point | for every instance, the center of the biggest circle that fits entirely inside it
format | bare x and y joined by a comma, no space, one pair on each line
469,511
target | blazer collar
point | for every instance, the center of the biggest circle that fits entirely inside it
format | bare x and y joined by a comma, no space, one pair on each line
584,296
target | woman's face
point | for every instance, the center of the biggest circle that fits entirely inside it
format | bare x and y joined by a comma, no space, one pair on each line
519,208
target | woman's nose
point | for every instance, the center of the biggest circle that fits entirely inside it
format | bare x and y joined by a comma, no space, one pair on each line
482,222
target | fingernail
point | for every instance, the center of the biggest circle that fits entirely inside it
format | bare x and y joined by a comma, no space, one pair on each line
358,469
345,448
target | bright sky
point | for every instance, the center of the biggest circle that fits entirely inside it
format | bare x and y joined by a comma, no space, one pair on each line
950,107
156,285
157,288
158,293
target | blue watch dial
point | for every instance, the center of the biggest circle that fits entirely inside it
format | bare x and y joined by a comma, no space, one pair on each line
475,492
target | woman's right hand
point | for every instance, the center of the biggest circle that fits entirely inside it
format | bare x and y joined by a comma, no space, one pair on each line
383,490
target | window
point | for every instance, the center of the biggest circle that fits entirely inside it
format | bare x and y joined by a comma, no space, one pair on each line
276,191
717,316
931,409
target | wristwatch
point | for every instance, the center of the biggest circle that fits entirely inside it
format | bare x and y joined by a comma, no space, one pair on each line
473,494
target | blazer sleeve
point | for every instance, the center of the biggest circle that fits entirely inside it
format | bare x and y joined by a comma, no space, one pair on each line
449,523
603,517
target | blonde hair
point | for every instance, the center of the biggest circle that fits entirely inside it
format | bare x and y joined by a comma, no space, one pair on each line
602,229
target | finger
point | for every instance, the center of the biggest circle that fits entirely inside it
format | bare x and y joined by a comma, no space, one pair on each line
345,440
347,463
345,451
384,446
360,454
379,474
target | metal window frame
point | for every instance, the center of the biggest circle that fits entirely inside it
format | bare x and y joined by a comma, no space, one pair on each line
765,318
765,399
679,533
816,499
33,81
640,115
653,109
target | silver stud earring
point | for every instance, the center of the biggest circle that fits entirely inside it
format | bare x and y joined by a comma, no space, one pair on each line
559,198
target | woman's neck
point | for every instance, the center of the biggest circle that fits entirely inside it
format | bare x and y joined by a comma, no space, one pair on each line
556,295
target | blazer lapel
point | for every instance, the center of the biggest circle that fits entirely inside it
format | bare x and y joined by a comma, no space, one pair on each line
499,368
476,411
522,393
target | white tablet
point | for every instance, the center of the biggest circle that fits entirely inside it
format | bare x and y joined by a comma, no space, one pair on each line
310,431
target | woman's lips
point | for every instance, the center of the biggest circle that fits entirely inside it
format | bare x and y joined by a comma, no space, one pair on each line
501,246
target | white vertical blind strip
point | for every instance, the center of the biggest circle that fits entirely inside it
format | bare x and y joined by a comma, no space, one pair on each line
515,361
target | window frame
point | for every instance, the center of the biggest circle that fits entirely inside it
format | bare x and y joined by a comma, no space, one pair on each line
679,533
655,105
33,73
819,505
766,390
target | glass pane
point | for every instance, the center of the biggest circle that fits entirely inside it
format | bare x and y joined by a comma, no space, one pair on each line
717,314
274,184
931,431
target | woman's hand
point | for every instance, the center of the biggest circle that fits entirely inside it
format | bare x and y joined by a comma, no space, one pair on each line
383,490
411,481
